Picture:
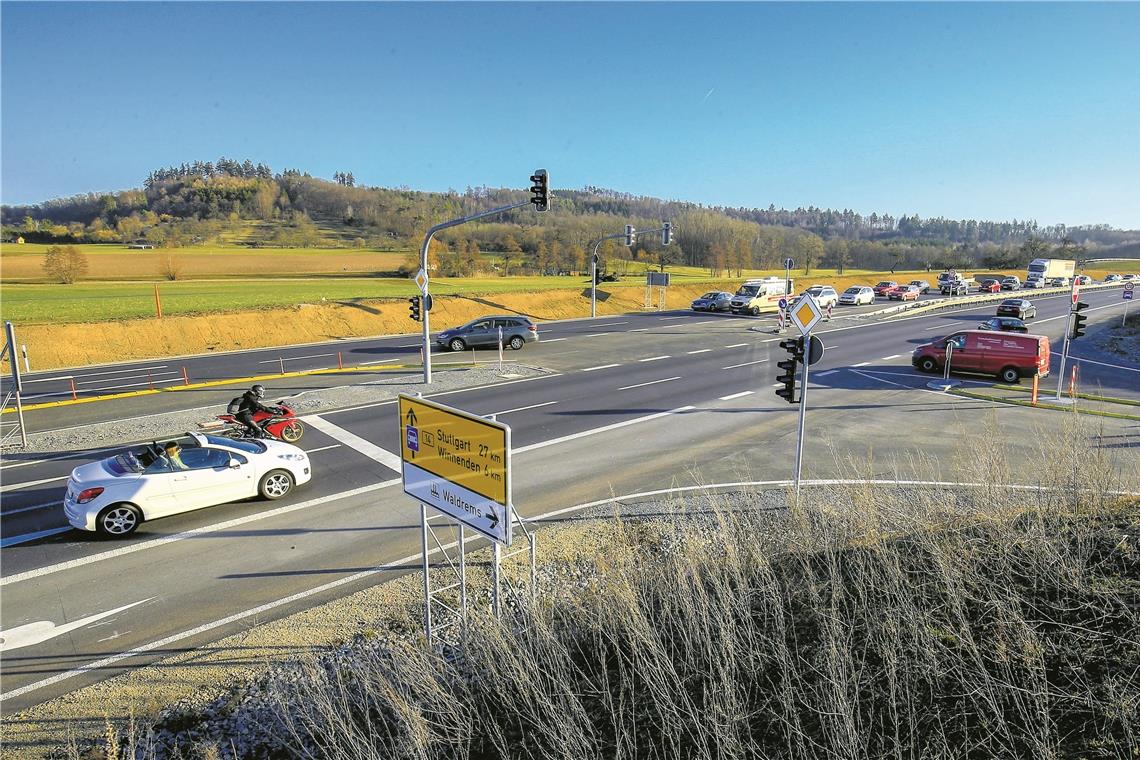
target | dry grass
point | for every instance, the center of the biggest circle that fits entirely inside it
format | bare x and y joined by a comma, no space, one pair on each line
889,623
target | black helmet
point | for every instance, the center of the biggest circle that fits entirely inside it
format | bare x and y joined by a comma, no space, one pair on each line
258,390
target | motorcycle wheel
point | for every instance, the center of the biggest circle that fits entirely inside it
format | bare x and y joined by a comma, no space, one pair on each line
292,432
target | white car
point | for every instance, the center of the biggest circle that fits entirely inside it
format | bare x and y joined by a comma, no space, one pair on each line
824,295
113,496
856,295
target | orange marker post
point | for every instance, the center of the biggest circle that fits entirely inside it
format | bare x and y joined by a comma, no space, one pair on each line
1036,381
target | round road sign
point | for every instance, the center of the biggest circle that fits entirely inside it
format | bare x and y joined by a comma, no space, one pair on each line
1129,286
783,303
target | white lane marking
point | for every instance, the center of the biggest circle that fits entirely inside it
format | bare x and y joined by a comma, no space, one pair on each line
651,382
132,370
294,358
408,345
667,318
861,364
524,408
744,364
552,340
828,348
737,395
1067,313
824,374
653,358
42,630
594,335
196,532
640,329
367,448
15,486
113,383
871,376
888,358
738,345
378,361
1103,364
323,448
935,327
700,351
46,504
602,366
604,429
26,537
610,324
703,322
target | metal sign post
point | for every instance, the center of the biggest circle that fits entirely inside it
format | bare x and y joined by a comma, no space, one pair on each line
13,396
1126,295
805,315
1064,357
788,264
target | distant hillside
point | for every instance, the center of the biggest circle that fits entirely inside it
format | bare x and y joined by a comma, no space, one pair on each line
245,204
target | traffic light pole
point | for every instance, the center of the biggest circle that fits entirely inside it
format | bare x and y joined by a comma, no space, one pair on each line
424,266
594,272
803,415
1064,356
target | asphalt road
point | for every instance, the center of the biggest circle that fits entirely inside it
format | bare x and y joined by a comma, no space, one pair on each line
634,403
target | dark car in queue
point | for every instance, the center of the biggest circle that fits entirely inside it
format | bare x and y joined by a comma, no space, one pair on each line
1016,307
1004,324
484,332
716,300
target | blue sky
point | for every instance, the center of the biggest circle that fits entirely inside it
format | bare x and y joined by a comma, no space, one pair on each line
988,111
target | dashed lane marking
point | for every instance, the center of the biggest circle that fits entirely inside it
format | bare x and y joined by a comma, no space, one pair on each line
730,397
601,366
744,364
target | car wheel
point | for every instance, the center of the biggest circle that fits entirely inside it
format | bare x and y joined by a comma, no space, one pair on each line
754,311
928,365
275,484
456,344
517,343
292,432
1009,375
118,520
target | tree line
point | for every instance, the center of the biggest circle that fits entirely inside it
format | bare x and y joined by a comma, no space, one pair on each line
201,202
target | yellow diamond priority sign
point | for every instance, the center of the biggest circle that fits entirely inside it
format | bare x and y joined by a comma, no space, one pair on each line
805,313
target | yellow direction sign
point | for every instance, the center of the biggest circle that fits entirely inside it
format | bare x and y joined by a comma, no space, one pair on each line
458,463
806,313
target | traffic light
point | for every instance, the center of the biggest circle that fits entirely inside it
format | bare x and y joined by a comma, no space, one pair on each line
788,367
540,190
414,307
666,233
630,235
1078,328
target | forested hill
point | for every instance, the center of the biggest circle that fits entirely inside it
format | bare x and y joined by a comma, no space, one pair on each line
231,202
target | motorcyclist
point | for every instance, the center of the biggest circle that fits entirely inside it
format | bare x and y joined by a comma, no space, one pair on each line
250,403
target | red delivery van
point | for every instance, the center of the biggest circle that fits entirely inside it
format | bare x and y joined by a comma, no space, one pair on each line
1009,356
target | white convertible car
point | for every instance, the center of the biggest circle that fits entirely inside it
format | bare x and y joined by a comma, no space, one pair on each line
113,496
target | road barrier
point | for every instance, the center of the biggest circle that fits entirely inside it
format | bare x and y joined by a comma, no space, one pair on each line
921,307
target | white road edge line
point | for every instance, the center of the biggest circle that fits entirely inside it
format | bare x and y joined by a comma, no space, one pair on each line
45,505
552,340
27,484
651,382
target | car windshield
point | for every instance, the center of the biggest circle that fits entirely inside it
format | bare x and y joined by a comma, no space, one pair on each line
710,295
129,462
853,291
252,447
884,284
748,290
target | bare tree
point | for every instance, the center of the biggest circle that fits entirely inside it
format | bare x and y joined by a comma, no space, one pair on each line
65,265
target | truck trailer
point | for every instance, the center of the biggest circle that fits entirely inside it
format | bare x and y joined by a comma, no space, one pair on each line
1043,270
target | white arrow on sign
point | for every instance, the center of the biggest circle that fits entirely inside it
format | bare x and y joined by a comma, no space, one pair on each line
42,630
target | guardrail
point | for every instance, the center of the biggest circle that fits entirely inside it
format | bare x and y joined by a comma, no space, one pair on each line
946,303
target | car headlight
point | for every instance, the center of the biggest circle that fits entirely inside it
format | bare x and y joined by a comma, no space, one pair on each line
291,457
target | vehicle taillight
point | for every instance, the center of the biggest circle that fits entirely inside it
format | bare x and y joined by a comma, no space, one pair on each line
88,494
532,328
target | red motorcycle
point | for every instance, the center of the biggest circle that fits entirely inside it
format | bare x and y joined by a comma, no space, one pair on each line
281,424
